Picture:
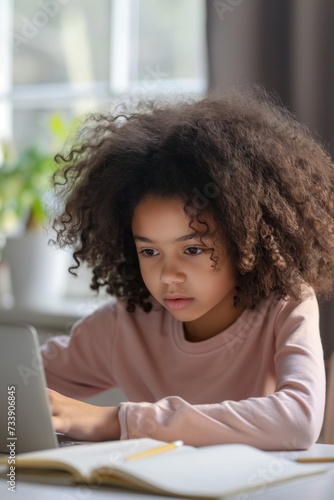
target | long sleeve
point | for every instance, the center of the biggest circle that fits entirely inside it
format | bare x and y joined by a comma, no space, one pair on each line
289,418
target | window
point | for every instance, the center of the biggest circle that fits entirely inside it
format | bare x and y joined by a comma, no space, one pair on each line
77,56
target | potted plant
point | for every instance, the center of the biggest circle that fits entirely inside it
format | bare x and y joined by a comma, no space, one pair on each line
25,190
23,184
25,181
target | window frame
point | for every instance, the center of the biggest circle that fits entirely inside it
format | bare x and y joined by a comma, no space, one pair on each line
121,84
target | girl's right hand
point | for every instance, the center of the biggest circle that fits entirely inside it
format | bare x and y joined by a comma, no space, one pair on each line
83,421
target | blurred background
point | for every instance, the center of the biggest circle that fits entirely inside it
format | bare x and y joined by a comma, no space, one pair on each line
60,59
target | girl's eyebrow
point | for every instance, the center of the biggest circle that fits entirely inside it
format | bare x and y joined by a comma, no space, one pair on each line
186,237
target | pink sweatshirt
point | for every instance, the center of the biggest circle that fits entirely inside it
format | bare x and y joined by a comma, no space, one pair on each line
260,382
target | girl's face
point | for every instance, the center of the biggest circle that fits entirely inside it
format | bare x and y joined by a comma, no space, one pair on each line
177,269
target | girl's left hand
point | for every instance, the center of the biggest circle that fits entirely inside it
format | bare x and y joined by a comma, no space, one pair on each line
83,421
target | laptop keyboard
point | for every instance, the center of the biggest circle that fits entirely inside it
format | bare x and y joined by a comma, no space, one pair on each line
66,440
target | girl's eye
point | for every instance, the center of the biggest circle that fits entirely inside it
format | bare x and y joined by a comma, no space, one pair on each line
194,250
149,252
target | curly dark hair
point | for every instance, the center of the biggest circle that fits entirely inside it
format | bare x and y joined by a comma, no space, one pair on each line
265,179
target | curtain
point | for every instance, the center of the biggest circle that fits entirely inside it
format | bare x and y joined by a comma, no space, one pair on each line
286,46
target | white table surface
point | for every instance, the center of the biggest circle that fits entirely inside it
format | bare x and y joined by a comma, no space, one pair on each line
318,487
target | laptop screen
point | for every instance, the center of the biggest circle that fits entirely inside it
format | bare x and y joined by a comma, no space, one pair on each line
25,419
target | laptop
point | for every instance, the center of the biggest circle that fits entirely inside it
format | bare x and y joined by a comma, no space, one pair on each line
25,417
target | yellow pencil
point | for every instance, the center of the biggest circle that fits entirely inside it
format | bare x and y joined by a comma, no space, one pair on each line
314,459
155,451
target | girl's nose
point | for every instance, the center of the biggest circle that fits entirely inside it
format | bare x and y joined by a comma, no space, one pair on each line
172,275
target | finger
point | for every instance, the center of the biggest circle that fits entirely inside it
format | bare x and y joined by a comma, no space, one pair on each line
58,425
51,394
54,402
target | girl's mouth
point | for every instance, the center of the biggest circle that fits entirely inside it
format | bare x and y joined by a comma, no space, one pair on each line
177,304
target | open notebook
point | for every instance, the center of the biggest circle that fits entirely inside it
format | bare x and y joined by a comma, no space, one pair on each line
184,471
24,409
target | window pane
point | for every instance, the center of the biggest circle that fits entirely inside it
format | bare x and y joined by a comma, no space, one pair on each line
171,39
61,41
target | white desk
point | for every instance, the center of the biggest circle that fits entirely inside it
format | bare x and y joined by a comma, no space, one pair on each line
319,487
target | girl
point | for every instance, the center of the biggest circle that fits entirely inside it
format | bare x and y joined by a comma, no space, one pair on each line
212,223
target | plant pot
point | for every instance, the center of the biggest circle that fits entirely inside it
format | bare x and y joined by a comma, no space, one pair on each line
37,270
